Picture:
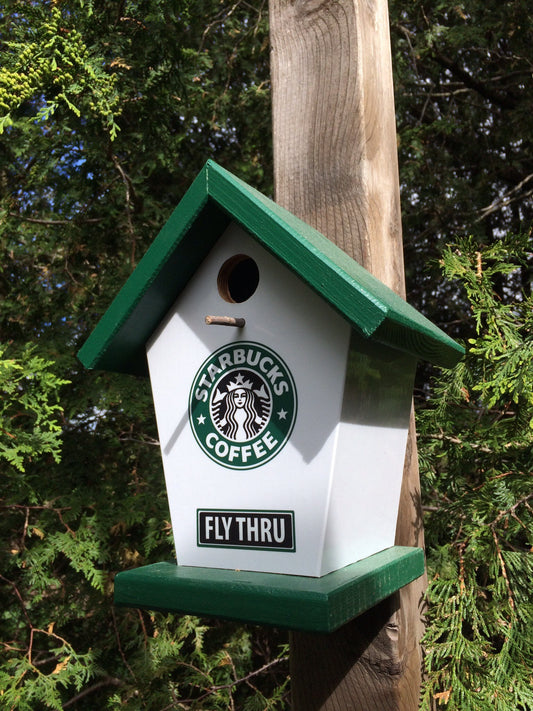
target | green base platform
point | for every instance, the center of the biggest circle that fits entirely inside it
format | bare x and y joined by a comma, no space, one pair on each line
292,601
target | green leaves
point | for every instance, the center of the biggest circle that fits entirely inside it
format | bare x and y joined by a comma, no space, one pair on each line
477,446
504,342
28,684
48,64
29,408
109,109
464,130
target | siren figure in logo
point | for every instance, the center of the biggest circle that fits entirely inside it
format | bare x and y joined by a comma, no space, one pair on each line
242,405
240,408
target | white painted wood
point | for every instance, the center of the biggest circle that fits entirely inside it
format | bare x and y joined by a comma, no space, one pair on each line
370,452
308,476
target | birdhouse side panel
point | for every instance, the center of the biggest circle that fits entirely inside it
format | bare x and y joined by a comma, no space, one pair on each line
370,454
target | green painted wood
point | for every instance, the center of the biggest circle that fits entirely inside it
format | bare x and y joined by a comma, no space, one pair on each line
216,198
118,341
295,602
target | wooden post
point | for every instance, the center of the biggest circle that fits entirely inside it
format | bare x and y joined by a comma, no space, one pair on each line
335,164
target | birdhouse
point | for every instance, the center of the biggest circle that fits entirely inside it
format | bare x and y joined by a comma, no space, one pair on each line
282,377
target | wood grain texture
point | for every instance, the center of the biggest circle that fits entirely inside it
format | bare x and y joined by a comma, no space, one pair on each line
336,168
335,158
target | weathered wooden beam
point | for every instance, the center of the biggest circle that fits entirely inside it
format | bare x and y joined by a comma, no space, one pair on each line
335,165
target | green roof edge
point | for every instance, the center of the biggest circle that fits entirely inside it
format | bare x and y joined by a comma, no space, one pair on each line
95,353
386,314
214,199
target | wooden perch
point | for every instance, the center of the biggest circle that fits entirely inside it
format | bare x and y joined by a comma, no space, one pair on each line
225,321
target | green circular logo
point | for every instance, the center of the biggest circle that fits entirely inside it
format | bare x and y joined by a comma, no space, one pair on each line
242,405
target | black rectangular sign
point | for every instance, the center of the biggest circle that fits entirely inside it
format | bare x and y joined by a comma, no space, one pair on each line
261,530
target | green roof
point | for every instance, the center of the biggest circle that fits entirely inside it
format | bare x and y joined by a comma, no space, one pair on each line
214,200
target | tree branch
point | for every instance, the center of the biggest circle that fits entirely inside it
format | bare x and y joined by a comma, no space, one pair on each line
230,685
504,101
506,199
130,197
109,681
456,440
55,223
19,597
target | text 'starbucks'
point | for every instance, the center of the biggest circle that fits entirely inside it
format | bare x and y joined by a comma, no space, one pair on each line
242,405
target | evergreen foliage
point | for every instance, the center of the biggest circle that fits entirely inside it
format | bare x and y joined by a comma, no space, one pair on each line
46,55
464,126
29,409
107,111
477,445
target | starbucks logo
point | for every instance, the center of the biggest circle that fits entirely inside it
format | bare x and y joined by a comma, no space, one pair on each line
242,405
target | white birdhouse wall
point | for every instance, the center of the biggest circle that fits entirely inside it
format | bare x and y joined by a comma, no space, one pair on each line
270,463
